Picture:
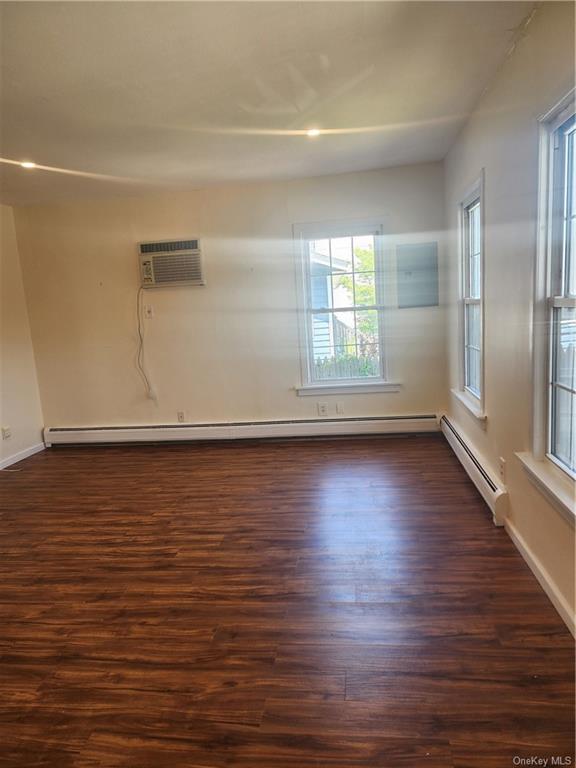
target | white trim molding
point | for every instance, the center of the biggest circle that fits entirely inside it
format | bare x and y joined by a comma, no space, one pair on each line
376,425
553,482
21,455
354,388
470,403
544,579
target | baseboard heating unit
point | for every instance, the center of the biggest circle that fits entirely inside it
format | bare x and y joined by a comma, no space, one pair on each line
378,425
494,494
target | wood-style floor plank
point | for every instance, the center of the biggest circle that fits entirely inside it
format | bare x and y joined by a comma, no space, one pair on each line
270,604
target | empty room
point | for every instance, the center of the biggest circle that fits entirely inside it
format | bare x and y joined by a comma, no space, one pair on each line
288,384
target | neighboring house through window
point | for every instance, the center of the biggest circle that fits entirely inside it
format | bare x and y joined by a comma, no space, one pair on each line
341,297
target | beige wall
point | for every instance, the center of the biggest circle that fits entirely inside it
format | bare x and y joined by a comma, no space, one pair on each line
19,398
229,350
502,138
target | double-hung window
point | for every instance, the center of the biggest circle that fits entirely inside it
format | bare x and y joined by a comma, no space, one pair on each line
551,464
561,301
473,299
341,293
471,294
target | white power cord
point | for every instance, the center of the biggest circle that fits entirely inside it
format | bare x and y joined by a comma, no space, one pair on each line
140,364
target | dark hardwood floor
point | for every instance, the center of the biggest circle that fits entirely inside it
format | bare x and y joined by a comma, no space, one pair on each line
284,604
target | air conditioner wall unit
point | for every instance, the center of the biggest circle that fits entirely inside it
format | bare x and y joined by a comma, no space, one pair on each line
169,263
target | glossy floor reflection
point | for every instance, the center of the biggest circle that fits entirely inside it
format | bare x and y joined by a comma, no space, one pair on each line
280,604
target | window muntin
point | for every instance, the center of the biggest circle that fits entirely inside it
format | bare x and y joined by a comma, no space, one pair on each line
343,308
472,297
562,302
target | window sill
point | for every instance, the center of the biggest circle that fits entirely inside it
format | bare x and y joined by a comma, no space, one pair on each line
472,406
357,388
552,482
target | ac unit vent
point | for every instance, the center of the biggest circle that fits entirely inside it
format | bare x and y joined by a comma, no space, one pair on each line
171,245
175,262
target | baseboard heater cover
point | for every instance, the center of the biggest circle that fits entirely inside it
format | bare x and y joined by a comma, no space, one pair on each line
494,494
241,430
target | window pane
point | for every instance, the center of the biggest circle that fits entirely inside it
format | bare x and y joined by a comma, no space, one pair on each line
476,219
474,251
344,329
563,426
367,331
468,365
475,277
564,359
473,331
343,352
319,251
322,337
343,290
365,288
346,363
341,254
364,253
473,370
320,292
572,172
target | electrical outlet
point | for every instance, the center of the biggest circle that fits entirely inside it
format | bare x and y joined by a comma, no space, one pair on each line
148,311
502,467
181,416
340,407
6,433
322,409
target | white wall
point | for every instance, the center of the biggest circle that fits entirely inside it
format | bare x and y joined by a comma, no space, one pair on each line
502,138
230,350
19,398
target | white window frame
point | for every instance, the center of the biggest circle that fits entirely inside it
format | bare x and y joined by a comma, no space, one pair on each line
303,233
548,294
475,403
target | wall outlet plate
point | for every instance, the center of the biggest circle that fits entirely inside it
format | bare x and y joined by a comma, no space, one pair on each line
322,409
181,416
6,433
502,467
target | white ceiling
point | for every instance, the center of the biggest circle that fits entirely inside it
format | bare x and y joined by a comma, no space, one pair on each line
187,94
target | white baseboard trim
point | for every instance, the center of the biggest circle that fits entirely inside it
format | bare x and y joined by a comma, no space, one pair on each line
242,430
556,598
21,455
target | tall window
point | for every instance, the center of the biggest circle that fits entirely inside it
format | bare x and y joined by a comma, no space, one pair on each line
472,288
341,276
562,297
